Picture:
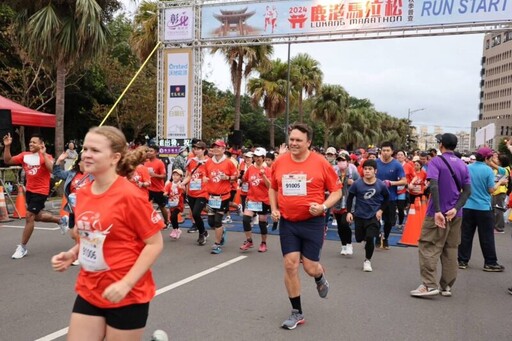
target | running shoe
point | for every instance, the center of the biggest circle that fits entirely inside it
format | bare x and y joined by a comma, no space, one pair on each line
463,265
240,210
202,238
385,244
343,251
178,233
227,220
350,250
367,266
494,268
173,234
322,287
63,224
334,222
159,335
246,245
192,229
423,290
167,226
294,320
20,252
446,292
263,247
216,249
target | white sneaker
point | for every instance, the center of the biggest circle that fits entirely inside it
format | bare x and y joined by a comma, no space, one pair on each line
227,220
350,250
159,335
423,290
367,266
63,224
334,222
343,250
240,210
19,253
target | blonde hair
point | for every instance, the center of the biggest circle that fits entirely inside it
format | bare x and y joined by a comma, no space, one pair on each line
117,145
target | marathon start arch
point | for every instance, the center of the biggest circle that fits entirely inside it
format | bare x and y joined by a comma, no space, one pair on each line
187,27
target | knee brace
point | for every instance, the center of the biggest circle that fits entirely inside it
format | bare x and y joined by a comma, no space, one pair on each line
217,220
263,227
247,223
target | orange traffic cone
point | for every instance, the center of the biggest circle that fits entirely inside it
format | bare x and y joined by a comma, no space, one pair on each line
4,215
21,204
62,205
413,225
180,218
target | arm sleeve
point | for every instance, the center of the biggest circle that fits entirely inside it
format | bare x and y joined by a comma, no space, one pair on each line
434,193
466,192
350,200
385,194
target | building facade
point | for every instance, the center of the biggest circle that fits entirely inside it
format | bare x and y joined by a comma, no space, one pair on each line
495,90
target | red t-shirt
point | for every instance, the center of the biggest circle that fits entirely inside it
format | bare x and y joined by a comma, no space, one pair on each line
175,194
320,177
244,186
158,167
419,184
196,187
139,175
214,172
124,217
80,180
258,191
38,176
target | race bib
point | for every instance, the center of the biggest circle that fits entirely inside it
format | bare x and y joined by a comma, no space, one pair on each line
91,251
172,203
195,185
255,206
294,184
245,187
215,201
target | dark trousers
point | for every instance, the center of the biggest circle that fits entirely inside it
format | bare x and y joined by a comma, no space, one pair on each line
174,218
344,231
401,208
484,221
389,217
196,206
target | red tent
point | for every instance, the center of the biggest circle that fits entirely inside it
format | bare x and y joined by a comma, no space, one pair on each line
23,116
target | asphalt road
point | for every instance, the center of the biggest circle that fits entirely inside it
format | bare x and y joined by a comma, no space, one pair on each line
241,296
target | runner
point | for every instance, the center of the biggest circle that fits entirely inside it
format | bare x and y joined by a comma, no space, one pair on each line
174,191
299,180
156,168
140,176
258,178
37,166
119,241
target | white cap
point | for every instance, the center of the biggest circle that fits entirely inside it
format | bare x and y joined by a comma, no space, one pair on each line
260,152
248,154
331,150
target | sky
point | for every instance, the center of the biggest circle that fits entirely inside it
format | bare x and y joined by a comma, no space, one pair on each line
436,77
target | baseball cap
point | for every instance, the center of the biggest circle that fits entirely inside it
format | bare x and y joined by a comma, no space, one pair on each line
331,150
372,151
200,144
415,158
354,157
485,152
472,157
248,154
177,170
260,151
219,143
343,157
448,140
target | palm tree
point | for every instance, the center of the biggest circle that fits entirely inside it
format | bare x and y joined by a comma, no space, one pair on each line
63,34
331,106
271,88
308,80
145,35
252,57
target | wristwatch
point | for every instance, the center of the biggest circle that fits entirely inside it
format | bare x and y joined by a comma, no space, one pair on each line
325,208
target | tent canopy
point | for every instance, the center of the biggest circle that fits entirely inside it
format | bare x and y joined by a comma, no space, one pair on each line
23,116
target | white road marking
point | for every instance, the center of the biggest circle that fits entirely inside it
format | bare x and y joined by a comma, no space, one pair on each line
36,227
160,291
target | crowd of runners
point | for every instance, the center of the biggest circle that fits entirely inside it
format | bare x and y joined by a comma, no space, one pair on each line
112,192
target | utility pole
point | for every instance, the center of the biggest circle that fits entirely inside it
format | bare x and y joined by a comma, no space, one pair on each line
409,113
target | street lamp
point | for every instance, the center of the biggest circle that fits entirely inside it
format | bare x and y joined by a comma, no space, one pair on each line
409,113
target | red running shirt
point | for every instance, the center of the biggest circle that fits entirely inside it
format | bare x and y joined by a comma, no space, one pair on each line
38,176
214,173
258,191
158,167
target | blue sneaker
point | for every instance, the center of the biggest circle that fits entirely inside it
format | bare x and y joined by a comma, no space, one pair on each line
224,238
216,249
63,224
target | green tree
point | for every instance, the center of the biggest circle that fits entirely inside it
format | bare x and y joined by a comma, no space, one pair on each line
145,29
307,78
62,34
242,61
217,112
270,90
330,106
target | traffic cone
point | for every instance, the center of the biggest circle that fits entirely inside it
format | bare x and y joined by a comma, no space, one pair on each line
4,215
413,225
21,204
181,220
62,205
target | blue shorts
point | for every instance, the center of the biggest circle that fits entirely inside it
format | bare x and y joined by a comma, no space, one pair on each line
306,237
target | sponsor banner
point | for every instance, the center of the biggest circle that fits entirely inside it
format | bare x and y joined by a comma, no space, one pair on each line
288,17
178,24
178,97
171,147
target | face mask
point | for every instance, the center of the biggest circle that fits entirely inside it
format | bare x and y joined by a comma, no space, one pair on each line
343,165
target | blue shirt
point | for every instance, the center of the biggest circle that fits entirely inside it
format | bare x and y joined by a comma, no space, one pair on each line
448,191
482,179
369,198
392,171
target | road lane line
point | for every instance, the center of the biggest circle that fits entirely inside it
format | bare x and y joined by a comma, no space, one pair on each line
160,291
36,227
